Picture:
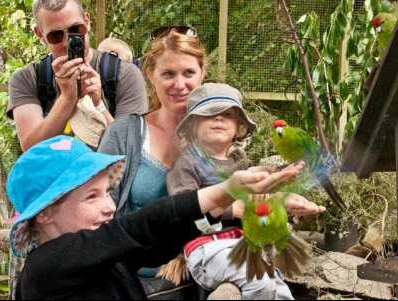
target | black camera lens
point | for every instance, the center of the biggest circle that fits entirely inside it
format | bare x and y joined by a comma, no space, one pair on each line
75,46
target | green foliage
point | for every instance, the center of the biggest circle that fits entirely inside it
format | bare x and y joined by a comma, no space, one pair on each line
18,46
8,142
334,88
132,21
366,200
260,145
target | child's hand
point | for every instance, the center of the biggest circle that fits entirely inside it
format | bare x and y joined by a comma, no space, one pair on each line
300,206
259,180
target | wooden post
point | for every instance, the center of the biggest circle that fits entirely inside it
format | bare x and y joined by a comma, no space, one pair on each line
344,69
223,41
396,164
100,28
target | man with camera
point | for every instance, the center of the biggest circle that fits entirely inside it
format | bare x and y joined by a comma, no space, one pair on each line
64,27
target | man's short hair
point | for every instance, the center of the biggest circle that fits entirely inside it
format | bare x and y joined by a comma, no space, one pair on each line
53,5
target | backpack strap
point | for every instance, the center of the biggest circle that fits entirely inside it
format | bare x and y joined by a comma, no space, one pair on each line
109,72
138,62
45,88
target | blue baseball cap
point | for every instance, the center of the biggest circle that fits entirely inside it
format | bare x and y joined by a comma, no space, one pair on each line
45,173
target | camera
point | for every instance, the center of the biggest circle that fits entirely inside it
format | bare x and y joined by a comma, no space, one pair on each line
75,46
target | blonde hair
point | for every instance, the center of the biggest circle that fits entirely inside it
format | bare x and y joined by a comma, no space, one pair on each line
176,42
121,48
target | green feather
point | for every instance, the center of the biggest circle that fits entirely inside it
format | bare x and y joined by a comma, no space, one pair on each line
294,144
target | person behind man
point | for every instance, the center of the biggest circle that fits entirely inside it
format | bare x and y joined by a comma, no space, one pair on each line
117,47
34,123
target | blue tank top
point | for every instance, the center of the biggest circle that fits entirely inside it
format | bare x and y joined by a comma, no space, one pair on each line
148,186
149,183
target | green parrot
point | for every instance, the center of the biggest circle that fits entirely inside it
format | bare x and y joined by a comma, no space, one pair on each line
294,144
268,241
384,23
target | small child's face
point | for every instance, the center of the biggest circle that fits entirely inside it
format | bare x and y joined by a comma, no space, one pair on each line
217,130
85,208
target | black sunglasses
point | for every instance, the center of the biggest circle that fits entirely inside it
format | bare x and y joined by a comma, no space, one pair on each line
164,30
57,36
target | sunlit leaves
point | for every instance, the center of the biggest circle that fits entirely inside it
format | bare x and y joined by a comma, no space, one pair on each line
334,89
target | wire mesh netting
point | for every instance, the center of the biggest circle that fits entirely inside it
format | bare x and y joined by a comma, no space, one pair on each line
256,41
256,44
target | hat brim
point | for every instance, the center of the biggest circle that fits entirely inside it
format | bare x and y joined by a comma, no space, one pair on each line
216,109
88,126
82,170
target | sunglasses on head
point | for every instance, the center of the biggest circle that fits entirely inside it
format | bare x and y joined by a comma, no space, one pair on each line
164,30
57,36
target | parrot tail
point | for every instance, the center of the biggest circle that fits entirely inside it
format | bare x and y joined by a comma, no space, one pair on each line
329,188
175,271
238,254
293,259
256,266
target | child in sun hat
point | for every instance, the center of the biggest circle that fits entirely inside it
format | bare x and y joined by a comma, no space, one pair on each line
214,126
74,247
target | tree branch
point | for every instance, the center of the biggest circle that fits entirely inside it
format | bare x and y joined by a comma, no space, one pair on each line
304,60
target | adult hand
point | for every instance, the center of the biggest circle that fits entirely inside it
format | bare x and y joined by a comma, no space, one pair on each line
91,84
299,206
259,180
66,75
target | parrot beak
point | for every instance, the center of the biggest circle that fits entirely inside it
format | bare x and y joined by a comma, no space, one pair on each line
279,130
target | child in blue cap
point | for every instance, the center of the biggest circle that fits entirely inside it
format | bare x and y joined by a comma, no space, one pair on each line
74,247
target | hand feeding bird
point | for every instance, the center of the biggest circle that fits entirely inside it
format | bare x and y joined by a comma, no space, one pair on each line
294,144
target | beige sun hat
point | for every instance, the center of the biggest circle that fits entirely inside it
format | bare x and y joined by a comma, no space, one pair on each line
212,99
87,123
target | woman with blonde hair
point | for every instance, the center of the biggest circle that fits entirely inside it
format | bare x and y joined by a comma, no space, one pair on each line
174,65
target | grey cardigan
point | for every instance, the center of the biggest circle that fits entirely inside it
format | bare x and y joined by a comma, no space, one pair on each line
124,137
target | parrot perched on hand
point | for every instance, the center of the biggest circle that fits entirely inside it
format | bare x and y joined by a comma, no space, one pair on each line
268,241
294,144
384,23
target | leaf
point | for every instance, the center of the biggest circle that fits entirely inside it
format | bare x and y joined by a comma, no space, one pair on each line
302,19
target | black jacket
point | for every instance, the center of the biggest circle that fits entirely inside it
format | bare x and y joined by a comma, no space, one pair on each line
101,264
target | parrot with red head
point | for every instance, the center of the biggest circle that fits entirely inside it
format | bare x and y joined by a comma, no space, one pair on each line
268,241
384,23
294,144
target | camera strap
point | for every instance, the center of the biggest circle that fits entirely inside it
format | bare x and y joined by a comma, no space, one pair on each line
109,72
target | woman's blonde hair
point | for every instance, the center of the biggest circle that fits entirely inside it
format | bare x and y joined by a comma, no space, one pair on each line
176,42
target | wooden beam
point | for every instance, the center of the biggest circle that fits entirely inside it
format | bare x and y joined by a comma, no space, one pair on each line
372,146
100,28
223,40
271,96
344,70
